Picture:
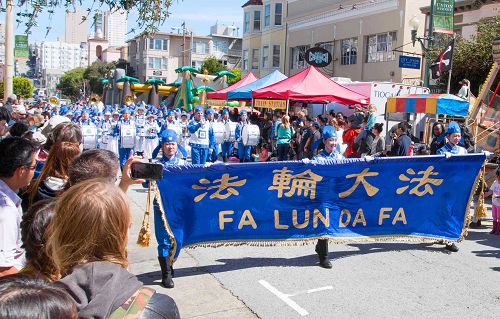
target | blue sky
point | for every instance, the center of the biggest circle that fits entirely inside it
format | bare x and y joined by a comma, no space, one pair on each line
198,14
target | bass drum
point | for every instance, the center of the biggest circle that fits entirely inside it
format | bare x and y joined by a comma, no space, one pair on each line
250,135
219,131
230,131
127,136
89,137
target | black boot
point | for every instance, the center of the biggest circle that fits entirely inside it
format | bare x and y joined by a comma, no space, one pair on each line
224,159
166,272
322,251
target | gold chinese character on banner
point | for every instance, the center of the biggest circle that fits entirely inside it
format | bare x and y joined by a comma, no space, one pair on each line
360,179
425,181
224,187
301,184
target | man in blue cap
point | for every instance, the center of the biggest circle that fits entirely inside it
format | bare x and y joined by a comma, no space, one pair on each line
243,151
201,137
227,146
330,152
127,131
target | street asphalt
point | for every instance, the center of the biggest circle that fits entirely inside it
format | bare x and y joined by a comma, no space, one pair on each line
368,280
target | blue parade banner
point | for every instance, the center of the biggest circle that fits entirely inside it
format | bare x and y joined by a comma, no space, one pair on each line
414,198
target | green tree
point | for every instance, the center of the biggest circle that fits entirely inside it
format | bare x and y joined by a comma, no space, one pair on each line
212,65
94,72
71,83
237,78
151,14
23,87
472,59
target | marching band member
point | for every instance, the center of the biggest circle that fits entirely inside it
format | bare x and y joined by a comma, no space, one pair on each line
106,131
89,130
85,118
227,146
140,123
201,137
243,151
330,152
184,136
126,129
169,149
115,133
453,138
213,150
152,130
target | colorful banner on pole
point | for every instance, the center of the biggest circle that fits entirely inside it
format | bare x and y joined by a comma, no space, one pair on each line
443,16
409,198
21,48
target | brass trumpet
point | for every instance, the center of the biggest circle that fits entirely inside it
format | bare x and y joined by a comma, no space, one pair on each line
95,98
53,100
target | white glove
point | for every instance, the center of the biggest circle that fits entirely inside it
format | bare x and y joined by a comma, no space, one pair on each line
447,154
369,158
488,154
306,161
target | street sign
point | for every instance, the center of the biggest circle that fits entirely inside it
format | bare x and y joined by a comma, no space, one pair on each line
318,57
270,104
21,48
409,62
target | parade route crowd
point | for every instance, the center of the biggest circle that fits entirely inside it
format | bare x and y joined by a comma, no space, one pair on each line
65,170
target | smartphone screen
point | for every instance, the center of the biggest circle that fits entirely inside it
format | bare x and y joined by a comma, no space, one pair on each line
149,171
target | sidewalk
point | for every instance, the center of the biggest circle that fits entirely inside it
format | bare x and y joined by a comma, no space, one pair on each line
198,294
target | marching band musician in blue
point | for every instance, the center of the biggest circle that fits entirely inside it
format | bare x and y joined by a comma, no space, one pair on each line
243,151
85,119
169,149
124,150
171,122
140,123
201,137
453,137
106,131
226,146
330,152
213,149
152,131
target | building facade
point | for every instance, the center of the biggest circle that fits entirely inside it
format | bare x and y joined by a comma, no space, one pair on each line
264,36
364,37
76,30
115,27
160,55
53,58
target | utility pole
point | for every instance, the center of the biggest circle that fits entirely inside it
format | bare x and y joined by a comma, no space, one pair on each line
9,49
430,41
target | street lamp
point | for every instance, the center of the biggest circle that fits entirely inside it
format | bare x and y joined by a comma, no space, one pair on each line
496,49
414,25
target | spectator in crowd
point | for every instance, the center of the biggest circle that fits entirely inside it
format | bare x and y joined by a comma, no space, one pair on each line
17,166
54,174
18,129
267,128
18,114
464,89
26,297
306,133
284,135
11,101
100,163
88,246
402,141
378,144
349,135
34,226
4,122
438,137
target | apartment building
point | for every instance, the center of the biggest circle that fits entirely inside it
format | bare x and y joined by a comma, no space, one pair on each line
160,55
264,36
364,37
53,58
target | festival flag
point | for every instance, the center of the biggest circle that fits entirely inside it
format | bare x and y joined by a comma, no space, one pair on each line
443,63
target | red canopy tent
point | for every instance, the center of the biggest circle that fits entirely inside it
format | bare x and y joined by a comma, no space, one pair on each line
312,86
222,94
